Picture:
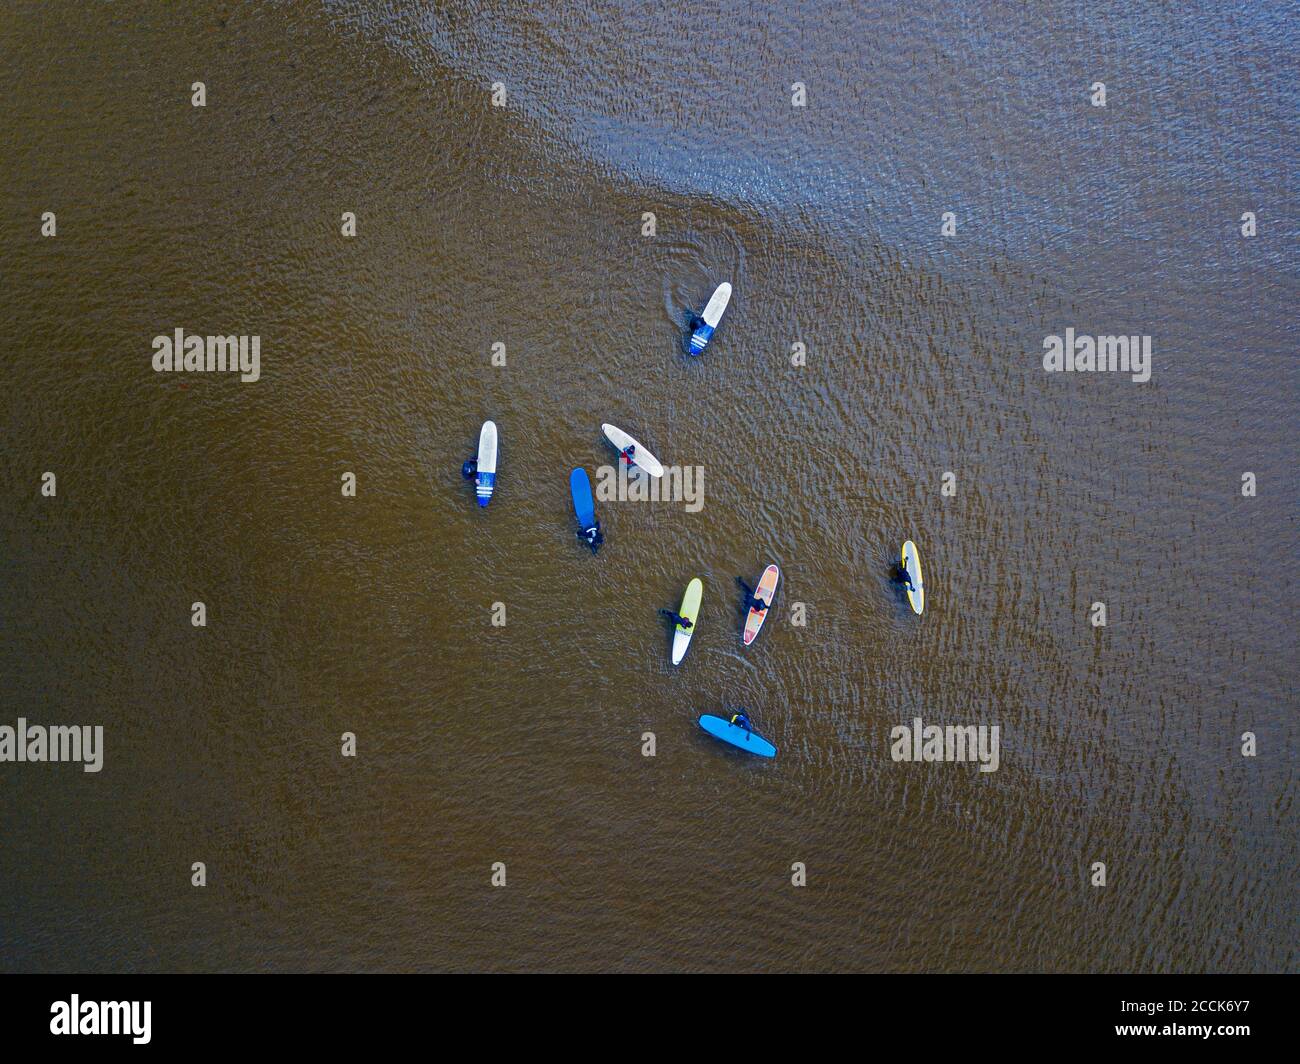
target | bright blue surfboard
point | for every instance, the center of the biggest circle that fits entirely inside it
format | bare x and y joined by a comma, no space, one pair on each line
737,736
584,507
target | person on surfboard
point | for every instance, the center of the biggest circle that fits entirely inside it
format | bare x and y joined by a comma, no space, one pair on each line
470,469
904,578
752,602
593,537
741,719
628,454
693,325
677,618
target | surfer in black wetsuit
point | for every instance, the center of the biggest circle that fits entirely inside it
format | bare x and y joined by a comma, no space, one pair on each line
904,578
677,618
751,601
693,324
741,719
593,537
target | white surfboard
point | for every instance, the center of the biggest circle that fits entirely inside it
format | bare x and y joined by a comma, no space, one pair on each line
640,456
717,304
486,478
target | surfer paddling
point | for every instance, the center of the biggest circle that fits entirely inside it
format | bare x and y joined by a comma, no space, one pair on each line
758,602
752,601
677,618
901,576
909,566
741,719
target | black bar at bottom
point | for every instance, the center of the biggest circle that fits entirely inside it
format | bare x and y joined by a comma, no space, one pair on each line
342,1013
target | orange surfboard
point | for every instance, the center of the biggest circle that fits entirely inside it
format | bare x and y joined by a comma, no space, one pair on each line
766,591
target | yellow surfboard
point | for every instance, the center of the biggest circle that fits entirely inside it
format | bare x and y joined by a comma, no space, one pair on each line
691,611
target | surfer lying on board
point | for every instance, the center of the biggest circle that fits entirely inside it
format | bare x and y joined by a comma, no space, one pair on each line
677,618
752,602
741,719
628,454
904,579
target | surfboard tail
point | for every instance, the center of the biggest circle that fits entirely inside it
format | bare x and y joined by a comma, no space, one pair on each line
483,487
700,339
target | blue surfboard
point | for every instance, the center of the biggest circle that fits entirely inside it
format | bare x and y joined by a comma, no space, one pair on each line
737,736
699,339
584,507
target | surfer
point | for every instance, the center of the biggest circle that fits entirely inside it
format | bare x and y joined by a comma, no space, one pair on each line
593,536
752,602
694,323
741,719
469,470
628,454
904,578
677,618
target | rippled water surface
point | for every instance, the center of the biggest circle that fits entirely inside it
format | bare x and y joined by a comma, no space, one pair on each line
522,225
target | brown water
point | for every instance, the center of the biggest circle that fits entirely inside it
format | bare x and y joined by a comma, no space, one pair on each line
522,744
